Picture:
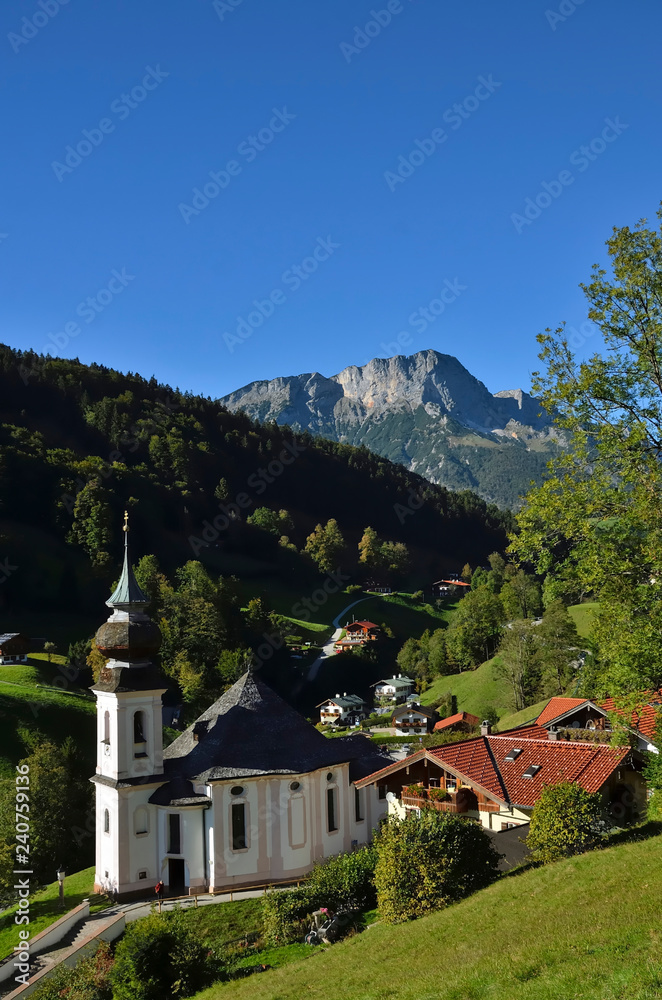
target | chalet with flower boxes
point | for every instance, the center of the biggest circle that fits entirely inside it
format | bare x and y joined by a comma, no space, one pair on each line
347,709
577,718
413,719
461,722
14,648
497,779
395,689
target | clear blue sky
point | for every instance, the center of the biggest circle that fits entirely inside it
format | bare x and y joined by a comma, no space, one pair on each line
350,106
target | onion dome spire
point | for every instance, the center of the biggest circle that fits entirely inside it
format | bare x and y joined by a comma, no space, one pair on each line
127,595
129,637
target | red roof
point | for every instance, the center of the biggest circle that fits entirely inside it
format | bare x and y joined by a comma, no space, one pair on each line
452,720
556,707
643,718
482,762
585,764
363,625
472,758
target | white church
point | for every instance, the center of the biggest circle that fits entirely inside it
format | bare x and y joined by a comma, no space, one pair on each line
250,793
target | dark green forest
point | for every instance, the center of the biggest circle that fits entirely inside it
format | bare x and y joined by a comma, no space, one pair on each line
79,444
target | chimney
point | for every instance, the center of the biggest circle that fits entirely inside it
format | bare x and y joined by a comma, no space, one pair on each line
337,696
344,694
553,733
485,728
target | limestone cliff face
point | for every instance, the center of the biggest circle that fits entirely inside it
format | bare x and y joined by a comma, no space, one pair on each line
425,411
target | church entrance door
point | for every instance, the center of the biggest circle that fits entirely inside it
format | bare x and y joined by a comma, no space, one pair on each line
176,879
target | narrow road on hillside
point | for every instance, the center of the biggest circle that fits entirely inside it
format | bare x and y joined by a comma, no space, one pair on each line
327,649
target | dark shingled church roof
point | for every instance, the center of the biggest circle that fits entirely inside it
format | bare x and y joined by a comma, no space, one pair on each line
251,731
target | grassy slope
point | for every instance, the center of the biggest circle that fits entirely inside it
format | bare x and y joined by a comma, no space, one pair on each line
585,928
582,615
403,615
475,689
23,705
225,922
529,714
45,907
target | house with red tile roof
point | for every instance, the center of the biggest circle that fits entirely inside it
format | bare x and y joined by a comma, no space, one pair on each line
498,778
461,722
566,715
357,634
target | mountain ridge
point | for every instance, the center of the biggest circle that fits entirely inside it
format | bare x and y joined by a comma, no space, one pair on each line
424,410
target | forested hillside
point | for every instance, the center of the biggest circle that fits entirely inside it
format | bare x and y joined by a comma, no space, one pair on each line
79,444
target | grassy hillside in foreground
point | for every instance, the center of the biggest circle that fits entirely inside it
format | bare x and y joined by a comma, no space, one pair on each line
587,928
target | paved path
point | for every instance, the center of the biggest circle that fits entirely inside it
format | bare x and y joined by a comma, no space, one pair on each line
328,648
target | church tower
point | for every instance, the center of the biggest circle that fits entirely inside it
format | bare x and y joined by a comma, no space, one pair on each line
129,739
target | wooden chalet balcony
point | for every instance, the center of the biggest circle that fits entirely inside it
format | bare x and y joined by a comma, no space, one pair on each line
460,802
452,804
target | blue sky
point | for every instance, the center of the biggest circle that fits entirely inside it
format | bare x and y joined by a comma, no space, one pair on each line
389,163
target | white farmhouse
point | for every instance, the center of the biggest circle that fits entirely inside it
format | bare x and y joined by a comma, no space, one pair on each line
394,689
345,708
250,793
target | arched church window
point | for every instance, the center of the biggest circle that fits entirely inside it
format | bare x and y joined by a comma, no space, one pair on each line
106,821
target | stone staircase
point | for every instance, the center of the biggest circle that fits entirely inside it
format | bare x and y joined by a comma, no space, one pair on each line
79,941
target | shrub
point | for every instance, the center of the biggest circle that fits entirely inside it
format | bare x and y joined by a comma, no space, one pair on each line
161,956
89,980
286,914
417,595
354,588
344,881
426,862
566,820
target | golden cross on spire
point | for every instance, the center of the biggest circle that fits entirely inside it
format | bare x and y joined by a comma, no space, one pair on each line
126,521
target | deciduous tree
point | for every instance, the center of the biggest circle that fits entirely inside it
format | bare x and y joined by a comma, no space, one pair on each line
426,862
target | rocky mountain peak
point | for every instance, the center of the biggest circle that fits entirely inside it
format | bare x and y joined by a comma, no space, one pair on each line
403,407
